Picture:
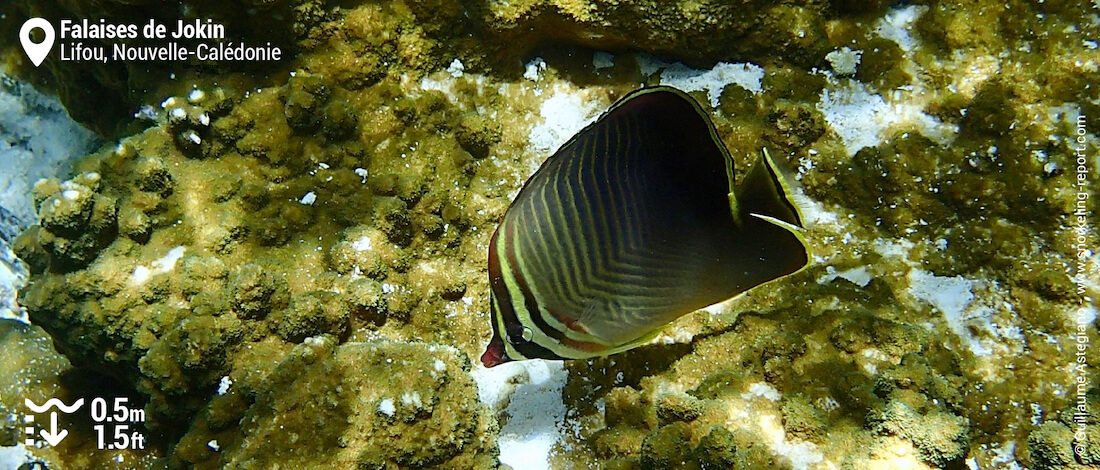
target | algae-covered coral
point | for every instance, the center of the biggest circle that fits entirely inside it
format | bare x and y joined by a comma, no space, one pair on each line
288,268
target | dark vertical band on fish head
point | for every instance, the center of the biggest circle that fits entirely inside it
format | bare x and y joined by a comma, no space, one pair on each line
507,328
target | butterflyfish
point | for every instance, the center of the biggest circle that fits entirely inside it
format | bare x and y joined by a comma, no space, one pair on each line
631,224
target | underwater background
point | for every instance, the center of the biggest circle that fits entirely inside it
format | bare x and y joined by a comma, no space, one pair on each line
282,264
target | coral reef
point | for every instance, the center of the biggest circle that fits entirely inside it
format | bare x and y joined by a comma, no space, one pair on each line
324,405
288,267
75,223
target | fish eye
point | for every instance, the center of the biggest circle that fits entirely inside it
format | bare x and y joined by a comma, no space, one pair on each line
519,335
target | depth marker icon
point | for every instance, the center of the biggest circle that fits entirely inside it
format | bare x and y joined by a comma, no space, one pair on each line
53,436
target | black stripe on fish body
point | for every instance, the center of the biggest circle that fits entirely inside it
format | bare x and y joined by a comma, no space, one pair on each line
596,202
628,192
631,224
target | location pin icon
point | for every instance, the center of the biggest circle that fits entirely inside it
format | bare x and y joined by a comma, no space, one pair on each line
36,52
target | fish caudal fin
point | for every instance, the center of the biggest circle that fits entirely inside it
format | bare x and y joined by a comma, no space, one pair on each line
765,194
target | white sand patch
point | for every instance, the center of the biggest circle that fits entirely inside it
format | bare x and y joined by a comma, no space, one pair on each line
813,212
677,335
411,399
865,119
952,296
563,115
443,81
801,455
762,390
858,276
895,26
534,68
713,81
720,307
387,407
898,248
531,391
224,384
159,266
362,244
456,68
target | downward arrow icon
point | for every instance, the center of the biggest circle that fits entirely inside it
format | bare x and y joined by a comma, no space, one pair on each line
53,437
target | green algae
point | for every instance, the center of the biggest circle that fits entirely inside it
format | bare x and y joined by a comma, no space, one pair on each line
939,437
720,448
665,448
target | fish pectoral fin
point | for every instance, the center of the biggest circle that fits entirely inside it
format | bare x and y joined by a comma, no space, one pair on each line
582,321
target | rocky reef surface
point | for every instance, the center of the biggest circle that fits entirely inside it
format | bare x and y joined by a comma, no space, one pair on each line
287,269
